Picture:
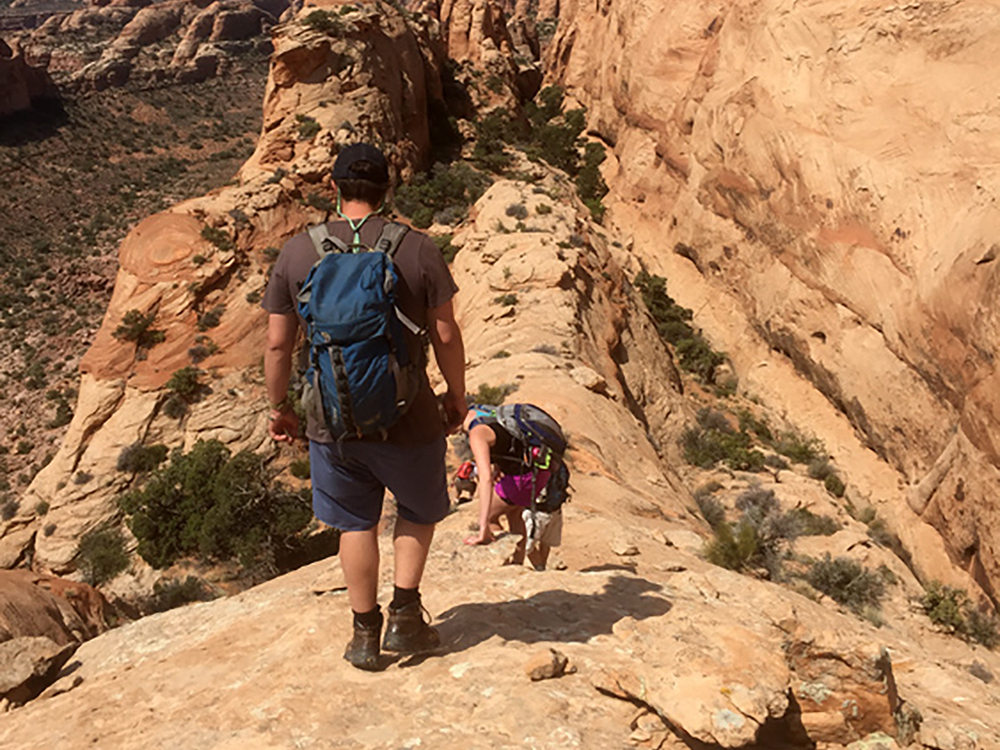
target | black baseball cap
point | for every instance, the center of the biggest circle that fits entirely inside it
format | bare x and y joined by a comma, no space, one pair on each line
361,161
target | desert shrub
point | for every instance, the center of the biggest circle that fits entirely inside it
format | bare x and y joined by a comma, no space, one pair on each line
834,485
714,440
41,508
138,458
448,251
543,208
211,318
172,593
217,237
175,407
950,608
732,550
308,127
324,21
300,468
798,449
24,447
186,383
590,185
517,211
811,524
545,349
819,468
775,461
320,201
711,509
846,582
450,188
214,506
136,327
49,530
492,132
501,354
506,299
760,539
8,509
493,394
63,415
981,628
101,555
694,352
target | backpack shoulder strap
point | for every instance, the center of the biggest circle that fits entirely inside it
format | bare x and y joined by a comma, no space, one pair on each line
324,242
390,237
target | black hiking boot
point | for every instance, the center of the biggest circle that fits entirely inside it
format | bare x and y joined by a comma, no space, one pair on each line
408,632
362,652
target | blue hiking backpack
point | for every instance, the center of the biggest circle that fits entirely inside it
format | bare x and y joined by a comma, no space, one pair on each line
363,373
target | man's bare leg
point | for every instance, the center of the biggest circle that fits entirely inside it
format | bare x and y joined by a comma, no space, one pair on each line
359,559
411,543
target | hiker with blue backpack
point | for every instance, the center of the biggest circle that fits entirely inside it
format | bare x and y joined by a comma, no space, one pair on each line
518,451
370,295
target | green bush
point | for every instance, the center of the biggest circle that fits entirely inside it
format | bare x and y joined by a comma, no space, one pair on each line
798,449
506,299
136,327
847,582
217,237
445,193
186,383
711,509
714,441
215,507
325,22
8,509
734,551
950,608
300,468
211,318
138,458
173,593
811,524
760,539
493,395
834,485
694,353
101,555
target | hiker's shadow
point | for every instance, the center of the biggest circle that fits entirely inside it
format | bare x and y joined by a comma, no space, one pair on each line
551,615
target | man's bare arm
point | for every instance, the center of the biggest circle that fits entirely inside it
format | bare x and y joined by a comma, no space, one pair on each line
281,332
449,351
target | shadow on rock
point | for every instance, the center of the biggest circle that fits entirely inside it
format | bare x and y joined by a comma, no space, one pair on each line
551,615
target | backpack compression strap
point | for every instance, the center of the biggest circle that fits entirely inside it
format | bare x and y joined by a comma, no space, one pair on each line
324,242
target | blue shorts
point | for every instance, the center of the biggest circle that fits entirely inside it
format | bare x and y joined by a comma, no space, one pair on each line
349,480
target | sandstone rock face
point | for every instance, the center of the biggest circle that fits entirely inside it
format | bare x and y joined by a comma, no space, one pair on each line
20,83
822,175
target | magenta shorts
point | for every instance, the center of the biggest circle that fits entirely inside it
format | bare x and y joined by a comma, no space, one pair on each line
516,488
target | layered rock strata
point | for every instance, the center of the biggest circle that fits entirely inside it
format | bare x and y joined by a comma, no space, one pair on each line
817,181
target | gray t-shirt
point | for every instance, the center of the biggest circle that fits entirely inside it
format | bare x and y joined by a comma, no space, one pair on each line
424,282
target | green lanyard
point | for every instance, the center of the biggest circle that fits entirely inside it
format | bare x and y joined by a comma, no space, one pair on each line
356,228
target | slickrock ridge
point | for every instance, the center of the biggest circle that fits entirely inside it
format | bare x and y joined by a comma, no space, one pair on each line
817,181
